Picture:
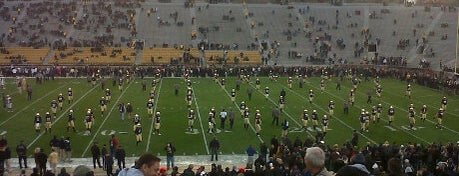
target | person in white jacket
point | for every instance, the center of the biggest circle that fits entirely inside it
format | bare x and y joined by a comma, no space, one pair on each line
146,165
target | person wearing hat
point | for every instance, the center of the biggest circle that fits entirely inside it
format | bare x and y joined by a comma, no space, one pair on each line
146,165
357,167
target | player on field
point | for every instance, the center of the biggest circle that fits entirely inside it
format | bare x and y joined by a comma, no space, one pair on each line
281,103
152,95
245,116
89,119
223,83
379,109
189,100
355,82
258,122
315,119
136,119
305,119
423,113
257,84
71,121
60,101
150,108
391,114
374,112
37,123
322,86
48,122
70,95
331,107
444,102
266,93
138,133
362,120
108,95
233,95
290,82
157,121
191,117
352,96
378,80
54,106
408,91
285,126
242,107
120,84
188,83
325,123
440,115
103,105
411,117
311,96
211,123
378,90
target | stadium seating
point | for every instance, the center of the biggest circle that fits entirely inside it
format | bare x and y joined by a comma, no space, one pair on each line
23,55
112,55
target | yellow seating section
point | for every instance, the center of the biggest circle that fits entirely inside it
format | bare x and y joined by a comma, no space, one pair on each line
33,56
89,57
253,56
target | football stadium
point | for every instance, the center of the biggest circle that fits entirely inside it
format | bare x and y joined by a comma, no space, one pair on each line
229,87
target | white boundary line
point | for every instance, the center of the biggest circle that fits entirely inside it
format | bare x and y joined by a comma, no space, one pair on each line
200,120
106,117
60,116
27,107
153,118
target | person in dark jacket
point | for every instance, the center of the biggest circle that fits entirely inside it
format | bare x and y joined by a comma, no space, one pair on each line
95,150
214,147
108,164
104,152
21,151
42,158
120,155
63,172
356,168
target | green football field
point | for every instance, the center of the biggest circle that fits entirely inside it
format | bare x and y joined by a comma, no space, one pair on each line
18,125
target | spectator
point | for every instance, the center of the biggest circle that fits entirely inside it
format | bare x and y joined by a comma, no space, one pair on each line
170,151
120,156
315,162
21,150
95,151
108,164
250,153
214,147
146,165
53,159
357,167
83,170
63,172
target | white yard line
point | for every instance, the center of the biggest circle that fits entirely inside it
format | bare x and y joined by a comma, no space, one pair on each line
30,104
105,119
62,114
152,118
200,121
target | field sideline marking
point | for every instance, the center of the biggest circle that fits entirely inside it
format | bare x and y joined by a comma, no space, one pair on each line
200,120
285,111
359,107
27,107
152,118
105,119
427,119
237,107
63,113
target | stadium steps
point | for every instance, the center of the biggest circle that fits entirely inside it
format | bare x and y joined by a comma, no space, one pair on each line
48,57
138,58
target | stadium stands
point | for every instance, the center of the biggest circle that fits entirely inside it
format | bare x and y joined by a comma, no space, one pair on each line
23,55
87,55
